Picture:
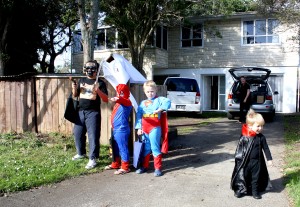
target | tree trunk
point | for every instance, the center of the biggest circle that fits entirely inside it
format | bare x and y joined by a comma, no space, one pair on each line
88,27
5,24
138,60
51,64
137,50
88,51
1,66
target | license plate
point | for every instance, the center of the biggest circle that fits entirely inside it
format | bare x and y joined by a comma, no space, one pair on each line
180,107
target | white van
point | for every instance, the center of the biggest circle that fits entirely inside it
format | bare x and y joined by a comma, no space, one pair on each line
184,94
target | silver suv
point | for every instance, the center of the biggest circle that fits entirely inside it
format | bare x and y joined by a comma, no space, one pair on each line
261,94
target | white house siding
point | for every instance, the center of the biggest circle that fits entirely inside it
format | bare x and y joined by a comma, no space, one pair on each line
219,54
154,57
228,51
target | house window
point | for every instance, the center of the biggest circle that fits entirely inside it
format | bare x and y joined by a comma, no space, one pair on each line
109,38
106,38
192,36
77,46
260,32
159,38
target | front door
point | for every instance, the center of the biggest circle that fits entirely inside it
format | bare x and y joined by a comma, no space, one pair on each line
214,92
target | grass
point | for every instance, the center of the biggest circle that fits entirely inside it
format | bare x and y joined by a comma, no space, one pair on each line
292,157
204,115
199,119
29,160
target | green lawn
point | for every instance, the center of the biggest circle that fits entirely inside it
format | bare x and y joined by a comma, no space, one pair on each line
292,157
30,161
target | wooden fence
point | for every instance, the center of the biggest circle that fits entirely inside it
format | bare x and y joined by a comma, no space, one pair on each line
37,104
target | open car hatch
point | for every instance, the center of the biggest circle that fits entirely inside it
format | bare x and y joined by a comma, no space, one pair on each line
250,72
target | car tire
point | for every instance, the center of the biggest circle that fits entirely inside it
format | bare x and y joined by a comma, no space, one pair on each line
230,115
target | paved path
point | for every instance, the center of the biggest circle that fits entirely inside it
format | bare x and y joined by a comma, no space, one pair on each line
197,173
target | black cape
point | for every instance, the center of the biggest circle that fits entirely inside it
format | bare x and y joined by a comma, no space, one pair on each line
238,181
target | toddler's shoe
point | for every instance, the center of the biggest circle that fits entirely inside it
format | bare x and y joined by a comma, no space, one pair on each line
141,170
256,195
237,194
157,173
91,164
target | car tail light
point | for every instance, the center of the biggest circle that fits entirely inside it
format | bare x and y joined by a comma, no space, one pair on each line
268,97
197,99
229,96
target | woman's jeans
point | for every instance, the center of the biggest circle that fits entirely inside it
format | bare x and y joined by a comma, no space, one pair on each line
89,122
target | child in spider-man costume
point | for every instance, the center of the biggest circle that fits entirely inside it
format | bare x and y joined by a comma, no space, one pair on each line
120,130
148,123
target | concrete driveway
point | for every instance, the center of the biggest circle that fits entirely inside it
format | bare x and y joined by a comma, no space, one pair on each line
197,172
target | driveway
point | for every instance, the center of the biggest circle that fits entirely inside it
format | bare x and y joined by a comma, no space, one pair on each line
197,172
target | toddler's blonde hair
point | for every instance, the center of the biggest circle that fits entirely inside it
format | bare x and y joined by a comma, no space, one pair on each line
253,117
150,83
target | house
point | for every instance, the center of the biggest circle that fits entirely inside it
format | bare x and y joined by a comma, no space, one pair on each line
206,48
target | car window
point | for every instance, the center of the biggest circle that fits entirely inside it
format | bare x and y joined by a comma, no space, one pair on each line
235,87
182,84
260,88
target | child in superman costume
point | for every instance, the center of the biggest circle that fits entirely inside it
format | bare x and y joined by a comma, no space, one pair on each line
250,174
120,130
148,124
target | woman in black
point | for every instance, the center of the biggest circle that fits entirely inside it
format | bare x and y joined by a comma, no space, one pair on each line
89,114
244,93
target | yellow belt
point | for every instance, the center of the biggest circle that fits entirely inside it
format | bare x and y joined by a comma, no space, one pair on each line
150,115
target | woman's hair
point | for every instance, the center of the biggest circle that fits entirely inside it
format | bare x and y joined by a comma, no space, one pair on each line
253,117
150,83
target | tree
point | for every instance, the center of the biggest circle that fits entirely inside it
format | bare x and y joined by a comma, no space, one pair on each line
20,35
221,7
57,33
88,11
137,19
285,10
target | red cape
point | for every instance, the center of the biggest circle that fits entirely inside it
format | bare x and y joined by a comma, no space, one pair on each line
164,132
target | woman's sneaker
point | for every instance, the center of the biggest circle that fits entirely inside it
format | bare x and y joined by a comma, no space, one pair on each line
91,164
78,157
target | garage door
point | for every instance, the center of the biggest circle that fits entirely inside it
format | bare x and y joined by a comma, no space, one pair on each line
276,83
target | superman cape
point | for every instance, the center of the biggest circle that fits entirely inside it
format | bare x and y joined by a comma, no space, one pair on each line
164,132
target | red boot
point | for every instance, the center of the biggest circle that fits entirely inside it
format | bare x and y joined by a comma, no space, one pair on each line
158,165
114,165
146,161
124,168
145,166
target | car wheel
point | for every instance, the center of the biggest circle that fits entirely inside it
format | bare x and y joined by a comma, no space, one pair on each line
230,115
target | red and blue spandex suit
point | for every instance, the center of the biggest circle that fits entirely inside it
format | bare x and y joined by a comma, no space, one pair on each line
121,128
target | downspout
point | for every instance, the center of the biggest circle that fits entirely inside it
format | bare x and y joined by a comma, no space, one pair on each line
298,72
298,90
